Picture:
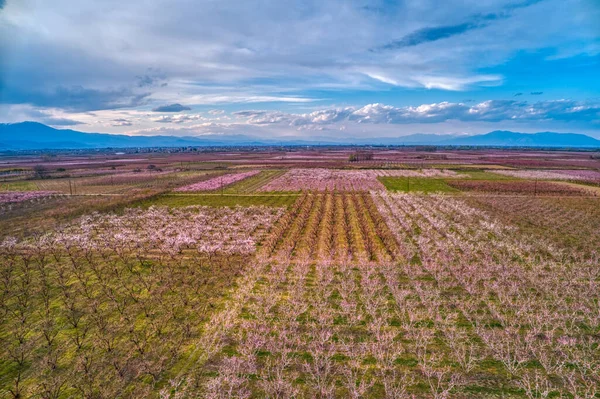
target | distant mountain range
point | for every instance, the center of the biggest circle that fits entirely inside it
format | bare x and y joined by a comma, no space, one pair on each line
36,136
512,139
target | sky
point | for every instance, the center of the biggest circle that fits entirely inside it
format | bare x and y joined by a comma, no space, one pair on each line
305,68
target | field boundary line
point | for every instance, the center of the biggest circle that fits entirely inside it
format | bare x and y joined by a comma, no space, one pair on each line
234,195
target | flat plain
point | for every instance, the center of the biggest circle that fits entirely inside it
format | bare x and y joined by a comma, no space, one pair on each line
298,273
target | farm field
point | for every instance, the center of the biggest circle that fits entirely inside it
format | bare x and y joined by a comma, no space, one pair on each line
253,183
281,280
575,175
518,187
217,183
420,185
345,180
218,200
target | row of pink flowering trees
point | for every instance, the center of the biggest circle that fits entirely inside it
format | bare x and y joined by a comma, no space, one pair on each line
319,179
397,296
217,182
530,306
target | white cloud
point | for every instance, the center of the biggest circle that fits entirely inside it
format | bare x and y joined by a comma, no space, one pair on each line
146,53
457,83
121,122
583,113
180,118
557,115
62,59
382,78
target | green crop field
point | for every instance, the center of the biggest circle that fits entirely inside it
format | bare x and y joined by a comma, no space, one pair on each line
253,183
417,185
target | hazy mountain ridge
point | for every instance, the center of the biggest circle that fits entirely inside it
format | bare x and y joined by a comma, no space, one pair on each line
37,136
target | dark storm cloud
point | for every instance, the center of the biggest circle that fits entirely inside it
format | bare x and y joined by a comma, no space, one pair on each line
171,108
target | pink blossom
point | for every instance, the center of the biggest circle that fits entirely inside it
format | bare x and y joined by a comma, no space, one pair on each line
585,175
217,182
20,196
204,229
345,180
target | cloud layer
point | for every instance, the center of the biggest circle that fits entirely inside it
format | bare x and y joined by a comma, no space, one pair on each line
487,111
385,120
123,66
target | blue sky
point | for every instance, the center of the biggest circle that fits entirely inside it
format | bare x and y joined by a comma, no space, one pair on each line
309,68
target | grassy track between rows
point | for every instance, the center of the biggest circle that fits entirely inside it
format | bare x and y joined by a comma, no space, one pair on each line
417,185
217,200
252,184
